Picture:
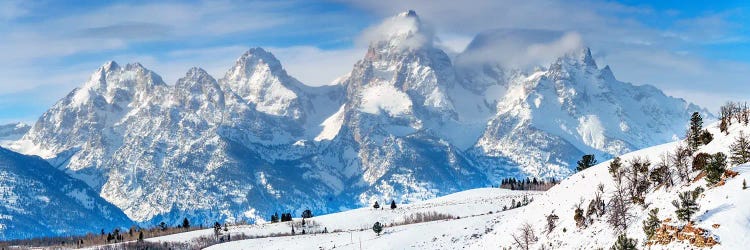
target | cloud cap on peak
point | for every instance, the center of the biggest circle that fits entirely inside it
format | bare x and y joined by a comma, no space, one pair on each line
404,30
520,48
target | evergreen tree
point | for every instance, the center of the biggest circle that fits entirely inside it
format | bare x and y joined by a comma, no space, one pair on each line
723,126
376,205
140,236
687,206
715,168
660,175
578,217
694,132
217,229
275,217
185,223
638,179
614,167
625,243
706,137
116,234
700,161
551,221
651,223
307,214
377,228
393,204
744,184
740,149
586,162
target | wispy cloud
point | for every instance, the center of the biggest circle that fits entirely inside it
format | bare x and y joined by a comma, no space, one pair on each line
55,50
49,52
519,48
12,9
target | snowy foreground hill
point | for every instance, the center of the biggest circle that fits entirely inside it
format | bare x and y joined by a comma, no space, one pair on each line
409,122
38,200
478,221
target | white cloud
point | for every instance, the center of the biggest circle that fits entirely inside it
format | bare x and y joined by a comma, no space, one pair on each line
408,30
35,51
314,66
12,9
520,48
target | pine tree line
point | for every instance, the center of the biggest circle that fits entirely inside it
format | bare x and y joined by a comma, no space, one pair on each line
116,235
527,184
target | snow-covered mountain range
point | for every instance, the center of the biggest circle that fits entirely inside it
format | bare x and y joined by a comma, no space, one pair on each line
409,122
39,200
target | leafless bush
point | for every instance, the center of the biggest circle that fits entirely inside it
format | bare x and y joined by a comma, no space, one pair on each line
681,160
195,244
525,237
619,209
423,217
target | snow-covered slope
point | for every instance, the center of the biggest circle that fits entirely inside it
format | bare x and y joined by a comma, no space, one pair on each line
727,206
347,229
39,200
404,124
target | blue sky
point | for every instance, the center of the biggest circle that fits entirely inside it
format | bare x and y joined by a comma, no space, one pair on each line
696,50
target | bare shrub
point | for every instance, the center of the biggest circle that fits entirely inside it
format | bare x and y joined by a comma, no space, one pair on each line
423,217
525,237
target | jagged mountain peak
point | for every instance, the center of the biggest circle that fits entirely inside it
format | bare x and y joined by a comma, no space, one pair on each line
116,83
579,58
109,66
197,78
113,66
409,13
259,79
606,73
252,60
198,73
111,72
